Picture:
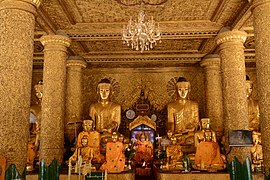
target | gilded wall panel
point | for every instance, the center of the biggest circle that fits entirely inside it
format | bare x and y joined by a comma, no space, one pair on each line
154,82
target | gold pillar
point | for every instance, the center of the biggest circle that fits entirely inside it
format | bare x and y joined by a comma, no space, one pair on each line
53,101
261,22
74,104
214,106
17,23
231,51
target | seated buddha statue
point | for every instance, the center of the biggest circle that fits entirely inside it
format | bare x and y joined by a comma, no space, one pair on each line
105,113
88,144
166,140
205,127
208,155
256,151
183,113
115,157
253,108
174,155
144,151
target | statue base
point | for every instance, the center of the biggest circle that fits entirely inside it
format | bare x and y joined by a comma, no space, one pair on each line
110,176
196,175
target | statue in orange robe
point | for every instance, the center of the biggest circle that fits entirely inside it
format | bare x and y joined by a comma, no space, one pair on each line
115,158
88,144
144,151
208,155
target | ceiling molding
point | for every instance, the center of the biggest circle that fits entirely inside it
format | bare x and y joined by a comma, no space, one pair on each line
71,11
242,17
43,20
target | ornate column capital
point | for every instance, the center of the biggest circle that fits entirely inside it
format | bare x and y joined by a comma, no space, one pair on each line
211,61
26,5
256,3
59,40
231,36
76,61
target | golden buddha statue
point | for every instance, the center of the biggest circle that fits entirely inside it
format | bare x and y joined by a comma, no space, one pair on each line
205,127
174,155
106,114
166,140
208,155
256,151
88,144
253,108
115,158
183,114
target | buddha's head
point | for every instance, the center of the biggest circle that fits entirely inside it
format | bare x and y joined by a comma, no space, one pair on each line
121,138
39,90
249,86
114,137
256,137
84,141
104,89
173,140
142,137
169,134
182,88
88,125
205,122
208,136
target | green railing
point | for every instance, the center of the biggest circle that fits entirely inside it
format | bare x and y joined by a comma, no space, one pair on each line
239,171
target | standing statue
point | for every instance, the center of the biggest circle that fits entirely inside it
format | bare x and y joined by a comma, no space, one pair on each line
183,114
106,114
35,119
253,109
256,152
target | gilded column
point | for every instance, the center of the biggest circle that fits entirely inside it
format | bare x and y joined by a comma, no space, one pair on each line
17,23
74,104
261,22
231,51
214,107
53,101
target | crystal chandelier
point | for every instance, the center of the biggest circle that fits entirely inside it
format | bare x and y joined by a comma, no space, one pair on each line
141,35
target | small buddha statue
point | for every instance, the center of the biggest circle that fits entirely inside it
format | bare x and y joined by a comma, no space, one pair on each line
115,157
105,113
166,140
174,155
208,155
144,151
253,109
183,113
88,144
256,151
205,127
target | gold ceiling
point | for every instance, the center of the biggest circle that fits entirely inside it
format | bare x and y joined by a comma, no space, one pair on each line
188,27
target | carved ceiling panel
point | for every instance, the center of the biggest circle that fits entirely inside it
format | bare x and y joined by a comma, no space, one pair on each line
188,27
95,11
166,45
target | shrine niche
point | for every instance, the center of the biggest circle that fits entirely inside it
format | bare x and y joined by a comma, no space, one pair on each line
143,138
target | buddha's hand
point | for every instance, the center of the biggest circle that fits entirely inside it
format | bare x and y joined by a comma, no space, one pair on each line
112,127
